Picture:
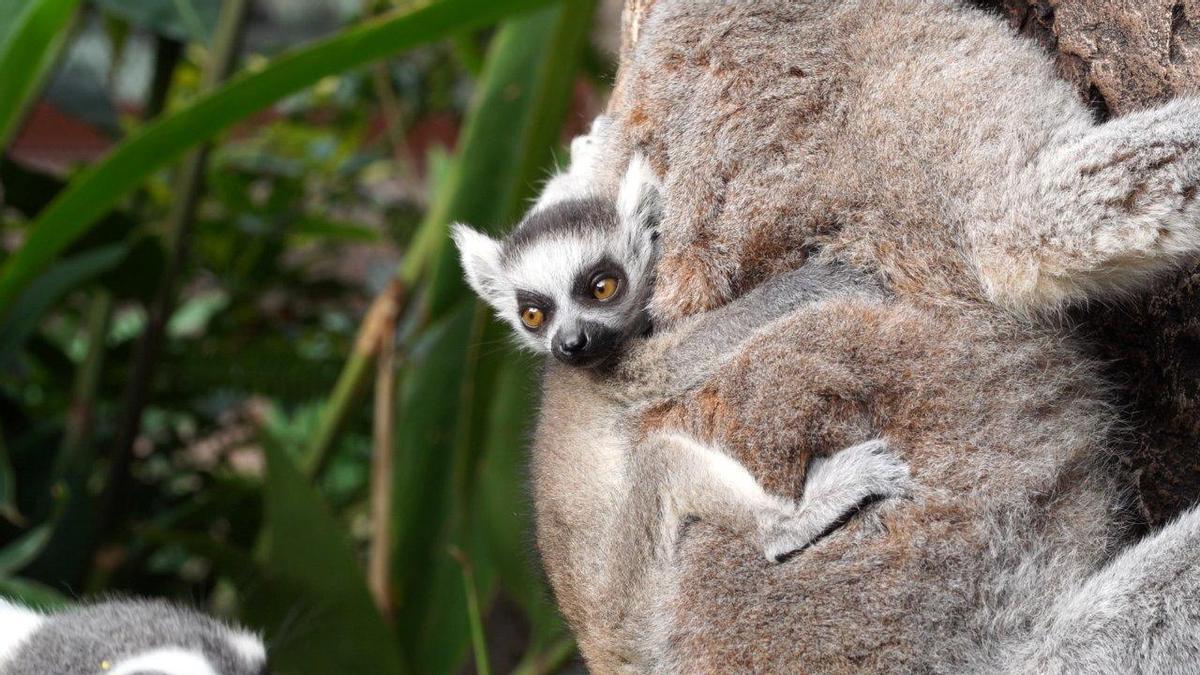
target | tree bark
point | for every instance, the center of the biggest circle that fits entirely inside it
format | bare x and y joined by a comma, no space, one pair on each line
1121,55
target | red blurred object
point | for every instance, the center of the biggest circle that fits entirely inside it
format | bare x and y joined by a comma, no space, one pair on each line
54,142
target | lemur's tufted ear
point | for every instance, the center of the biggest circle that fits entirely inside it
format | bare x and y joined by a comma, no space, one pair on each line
480,257
639,200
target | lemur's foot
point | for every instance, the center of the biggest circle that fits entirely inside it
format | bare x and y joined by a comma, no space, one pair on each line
837,488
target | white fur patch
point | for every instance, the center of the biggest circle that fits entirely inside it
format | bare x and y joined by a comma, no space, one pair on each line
248,646
167,660
550,265
639,181
480,258
16,624
721,469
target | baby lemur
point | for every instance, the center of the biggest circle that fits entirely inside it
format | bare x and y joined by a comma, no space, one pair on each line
574,278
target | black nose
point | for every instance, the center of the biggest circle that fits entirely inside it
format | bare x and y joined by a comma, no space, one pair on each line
574,344
585,345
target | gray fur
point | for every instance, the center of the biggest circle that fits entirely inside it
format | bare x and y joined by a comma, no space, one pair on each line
624,496
914,138
90,639
1142,610
918,141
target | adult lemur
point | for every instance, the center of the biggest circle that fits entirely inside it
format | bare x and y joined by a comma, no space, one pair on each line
919,141
573,279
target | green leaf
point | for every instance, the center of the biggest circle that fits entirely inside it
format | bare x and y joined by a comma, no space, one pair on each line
48,289
31,34
31,593
511,129
97,189
178,19
26,548
313,572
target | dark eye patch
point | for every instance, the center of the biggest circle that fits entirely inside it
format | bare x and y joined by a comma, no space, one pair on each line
535,299
607,267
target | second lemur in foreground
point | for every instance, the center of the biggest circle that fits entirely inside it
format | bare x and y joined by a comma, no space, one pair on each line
124,637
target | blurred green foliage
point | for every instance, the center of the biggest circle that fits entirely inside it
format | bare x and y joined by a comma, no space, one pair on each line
335,169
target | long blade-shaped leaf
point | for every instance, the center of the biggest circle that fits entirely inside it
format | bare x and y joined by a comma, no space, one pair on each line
513,125
98,189
315,583
26,548
28,47
49,288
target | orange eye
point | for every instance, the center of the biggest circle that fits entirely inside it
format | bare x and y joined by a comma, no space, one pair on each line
532,317
605,288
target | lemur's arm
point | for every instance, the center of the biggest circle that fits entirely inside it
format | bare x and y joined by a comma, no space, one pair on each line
686,353
675,477
1094,214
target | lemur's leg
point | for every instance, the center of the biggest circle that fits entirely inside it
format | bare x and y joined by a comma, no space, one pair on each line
1139,614
579,179
1095,213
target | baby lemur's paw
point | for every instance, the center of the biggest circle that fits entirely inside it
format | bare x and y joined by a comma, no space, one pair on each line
788,533
837,488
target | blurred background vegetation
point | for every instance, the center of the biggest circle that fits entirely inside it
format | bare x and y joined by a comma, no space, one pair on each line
238,367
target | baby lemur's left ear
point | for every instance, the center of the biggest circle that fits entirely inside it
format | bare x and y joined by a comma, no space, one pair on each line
639,200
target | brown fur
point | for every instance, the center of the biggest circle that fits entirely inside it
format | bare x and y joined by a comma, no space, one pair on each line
916,140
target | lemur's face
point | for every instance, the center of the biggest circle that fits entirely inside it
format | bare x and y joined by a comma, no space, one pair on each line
573,279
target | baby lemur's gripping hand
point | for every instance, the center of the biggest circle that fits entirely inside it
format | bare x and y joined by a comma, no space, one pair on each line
681,477
578,181
837,488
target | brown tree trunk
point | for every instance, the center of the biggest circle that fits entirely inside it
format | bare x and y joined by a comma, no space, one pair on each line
1121,55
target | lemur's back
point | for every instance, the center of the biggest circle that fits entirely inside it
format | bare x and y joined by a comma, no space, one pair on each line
902,136
1007,438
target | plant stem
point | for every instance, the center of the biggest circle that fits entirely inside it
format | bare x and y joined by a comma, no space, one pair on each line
478,638
82,409
187,191
379,561
380,315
